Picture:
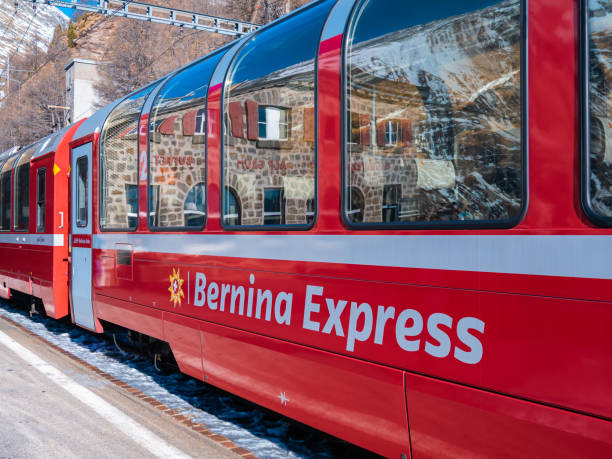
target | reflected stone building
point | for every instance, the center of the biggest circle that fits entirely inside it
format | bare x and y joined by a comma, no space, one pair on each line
434,120
269,155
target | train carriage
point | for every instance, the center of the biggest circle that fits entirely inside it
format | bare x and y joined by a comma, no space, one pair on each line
34,222
386,219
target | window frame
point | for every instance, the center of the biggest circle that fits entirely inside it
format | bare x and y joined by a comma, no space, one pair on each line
201,113
281,110
154,95
42,171
439,224
315,217
585,122
281,201
111,229
392,133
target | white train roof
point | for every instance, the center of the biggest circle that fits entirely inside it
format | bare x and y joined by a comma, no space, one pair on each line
51,142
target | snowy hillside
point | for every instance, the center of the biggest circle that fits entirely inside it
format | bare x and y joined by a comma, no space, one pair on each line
26,26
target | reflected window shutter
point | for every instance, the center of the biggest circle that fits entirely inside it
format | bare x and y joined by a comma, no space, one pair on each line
407,132
364,127
235,112
167,126
380,133
309,124
252,109
189,122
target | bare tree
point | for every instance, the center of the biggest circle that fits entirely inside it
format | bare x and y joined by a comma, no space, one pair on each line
127,61
25,113
135,54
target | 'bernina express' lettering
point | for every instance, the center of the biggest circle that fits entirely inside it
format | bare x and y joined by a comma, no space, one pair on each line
408,327
411,330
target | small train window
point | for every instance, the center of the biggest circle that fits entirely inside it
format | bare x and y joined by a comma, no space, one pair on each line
82,192
22,189
597,182
434,114
119,165
177,155
41,193
6,194
269,151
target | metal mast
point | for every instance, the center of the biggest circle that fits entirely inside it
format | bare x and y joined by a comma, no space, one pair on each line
159,14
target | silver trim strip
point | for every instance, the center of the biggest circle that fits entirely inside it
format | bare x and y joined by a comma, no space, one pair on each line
53,240
566,256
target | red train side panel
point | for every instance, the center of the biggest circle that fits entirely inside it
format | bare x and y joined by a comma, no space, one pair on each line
35,259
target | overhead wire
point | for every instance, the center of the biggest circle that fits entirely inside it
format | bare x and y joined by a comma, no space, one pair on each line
34,12
106,17
7,26
50,58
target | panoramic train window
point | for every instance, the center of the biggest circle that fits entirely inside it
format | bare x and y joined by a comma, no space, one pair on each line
177,155
81,192
433,113
119,165
269,146
599,115
41,192
22,189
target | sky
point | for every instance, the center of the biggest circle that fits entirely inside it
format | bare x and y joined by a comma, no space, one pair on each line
67,11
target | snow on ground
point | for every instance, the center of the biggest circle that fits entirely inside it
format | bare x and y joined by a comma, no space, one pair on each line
266,434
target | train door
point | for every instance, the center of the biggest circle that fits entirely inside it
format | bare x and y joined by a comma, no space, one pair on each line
80,228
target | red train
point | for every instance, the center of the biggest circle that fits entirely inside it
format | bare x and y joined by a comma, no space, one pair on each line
389,220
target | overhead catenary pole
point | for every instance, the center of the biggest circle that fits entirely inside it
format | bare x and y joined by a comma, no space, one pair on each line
158,14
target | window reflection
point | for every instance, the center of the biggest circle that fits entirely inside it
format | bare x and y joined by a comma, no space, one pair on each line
355,205
22,189
269,145
6,194
273,206
434,111
195,202
81,192
233,210
177,139
273,123
41,192
200,122
119,165
600,106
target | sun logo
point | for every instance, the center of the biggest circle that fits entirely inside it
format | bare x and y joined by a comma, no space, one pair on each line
176,287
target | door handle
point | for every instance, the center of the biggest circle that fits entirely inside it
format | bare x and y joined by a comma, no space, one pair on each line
61,225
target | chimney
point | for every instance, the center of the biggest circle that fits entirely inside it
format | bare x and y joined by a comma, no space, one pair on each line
81,75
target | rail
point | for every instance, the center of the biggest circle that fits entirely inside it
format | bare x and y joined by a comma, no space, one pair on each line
158,14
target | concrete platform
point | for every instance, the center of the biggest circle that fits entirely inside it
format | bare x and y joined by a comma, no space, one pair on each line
39,418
